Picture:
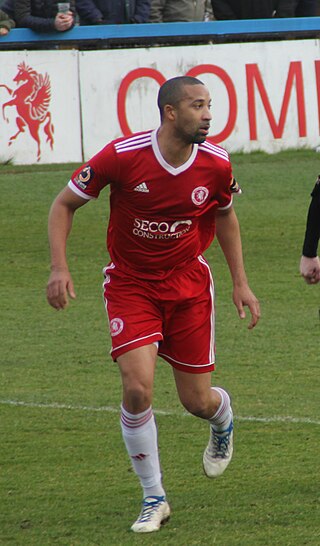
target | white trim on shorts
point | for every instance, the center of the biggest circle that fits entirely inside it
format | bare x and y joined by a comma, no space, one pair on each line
114,349
195,366
212,317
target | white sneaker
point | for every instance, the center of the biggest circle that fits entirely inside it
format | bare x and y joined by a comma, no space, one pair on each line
218,452
155,512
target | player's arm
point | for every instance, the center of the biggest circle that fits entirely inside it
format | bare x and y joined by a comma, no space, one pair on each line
309,262
60,284
228,235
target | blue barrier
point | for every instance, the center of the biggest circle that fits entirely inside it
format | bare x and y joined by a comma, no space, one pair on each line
183,31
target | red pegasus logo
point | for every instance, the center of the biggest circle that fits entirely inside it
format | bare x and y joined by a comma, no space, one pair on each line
32,100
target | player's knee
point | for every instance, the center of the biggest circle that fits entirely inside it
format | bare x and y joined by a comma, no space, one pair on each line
137,397
199,407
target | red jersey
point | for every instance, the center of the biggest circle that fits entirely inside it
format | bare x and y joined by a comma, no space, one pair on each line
161,217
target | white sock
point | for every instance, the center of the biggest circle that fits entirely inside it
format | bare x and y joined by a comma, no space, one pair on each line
221,420
140,437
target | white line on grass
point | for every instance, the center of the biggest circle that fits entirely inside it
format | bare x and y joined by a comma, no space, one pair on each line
111,409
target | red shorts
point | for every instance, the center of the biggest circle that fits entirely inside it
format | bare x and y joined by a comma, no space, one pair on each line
177,312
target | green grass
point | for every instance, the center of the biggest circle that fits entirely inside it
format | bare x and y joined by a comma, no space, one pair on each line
65,478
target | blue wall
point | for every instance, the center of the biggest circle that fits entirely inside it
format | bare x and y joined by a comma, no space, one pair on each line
171,32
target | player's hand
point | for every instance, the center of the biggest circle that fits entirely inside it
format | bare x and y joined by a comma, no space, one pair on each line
60,288
310,269
244,297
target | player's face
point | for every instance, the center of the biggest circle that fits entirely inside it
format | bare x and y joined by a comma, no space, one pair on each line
193,114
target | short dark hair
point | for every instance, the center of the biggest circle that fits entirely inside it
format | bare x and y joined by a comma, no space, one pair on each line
171,91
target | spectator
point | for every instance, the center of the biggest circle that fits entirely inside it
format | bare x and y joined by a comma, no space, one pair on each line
242,9
112,12
6,24
296,8
40,15
169,11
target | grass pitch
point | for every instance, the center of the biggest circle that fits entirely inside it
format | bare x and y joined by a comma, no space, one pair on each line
65,478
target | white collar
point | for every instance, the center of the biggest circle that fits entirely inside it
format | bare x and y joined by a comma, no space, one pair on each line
162,161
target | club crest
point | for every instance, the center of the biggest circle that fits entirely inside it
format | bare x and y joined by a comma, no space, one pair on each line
199,195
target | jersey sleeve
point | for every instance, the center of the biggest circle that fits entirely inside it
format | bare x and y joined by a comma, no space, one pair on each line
88,180
229,187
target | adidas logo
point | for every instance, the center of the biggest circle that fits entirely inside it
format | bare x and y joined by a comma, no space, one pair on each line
142,187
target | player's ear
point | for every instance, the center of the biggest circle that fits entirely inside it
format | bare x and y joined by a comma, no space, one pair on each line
169,112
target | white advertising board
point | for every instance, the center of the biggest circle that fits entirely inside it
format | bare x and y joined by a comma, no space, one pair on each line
39,107
264,94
